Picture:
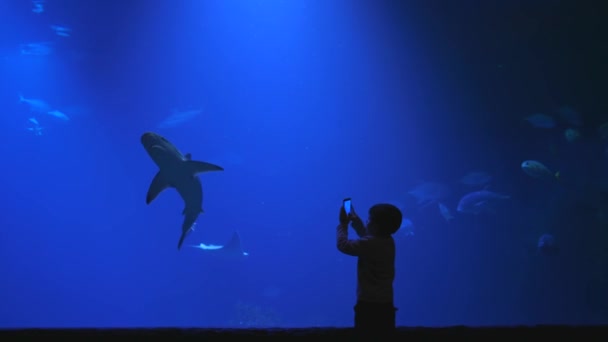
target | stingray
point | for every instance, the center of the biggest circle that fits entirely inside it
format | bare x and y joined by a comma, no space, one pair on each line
231,250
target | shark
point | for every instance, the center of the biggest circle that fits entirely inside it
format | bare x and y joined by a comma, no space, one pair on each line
231,250
178,171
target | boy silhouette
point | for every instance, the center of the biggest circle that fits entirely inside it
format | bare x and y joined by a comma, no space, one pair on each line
375,249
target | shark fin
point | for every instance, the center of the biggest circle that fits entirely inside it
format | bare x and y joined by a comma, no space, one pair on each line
188,156
156,187
196,167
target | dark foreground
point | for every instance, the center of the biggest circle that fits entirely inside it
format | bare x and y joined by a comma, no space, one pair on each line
596,333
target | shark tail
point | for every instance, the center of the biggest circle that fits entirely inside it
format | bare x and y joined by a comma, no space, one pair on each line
181,240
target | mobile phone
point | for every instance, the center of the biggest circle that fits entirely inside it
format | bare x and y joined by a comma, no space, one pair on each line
346,204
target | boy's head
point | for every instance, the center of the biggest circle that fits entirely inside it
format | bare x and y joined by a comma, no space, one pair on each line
384,219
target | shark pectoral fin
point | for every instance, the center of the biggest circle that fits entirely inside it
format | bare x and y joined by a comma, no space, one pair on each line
156,187
196,167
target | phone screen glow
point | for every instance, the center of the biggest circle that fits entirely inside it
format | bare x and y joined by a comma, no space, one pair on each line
347,206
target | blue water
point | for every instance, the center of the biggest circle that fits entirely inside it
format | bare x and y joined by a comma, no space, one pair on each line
303,103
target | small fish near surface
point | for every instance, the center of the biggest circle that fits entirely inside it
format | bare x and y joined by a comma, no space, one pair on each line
478,201
536,169
180,172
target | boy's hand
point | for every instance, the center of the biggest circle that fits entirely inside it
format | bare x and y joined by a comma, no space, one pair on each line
344,217
353,213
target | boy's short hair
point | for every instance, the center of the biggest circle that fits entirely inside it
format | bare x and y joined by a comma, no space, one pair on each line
386,217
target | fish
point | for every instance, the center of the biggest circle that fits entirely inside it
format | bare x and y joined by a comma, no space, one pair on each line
476,178
35,105
445,212
179,117
231,250
477,201
572,134
536,169
37,130
62,31
407,228
38,6
58,115
40,106
180,172
428,192
547,245
36,49
539,120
